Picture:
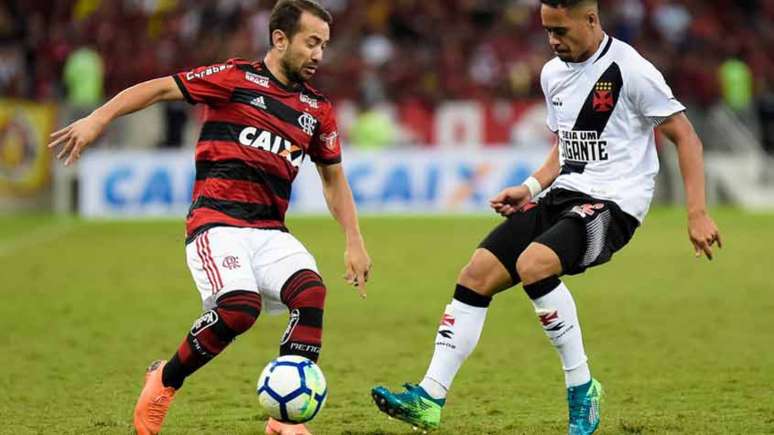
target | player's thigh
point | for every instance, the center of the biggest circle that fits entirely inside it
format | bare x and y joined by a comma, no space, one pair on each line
563,241
588,235
509,239
279,259
220,262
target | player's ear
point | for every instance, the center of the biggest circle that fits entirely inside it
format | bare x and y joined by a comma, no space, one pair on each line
592,19
279,40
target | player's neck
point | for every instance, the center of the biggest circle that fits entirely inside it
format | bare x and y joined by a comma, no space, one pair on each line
272,62
599,37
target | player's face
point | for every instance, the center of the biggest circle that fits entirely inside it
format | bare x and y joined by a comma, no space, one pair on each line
570,32
305,51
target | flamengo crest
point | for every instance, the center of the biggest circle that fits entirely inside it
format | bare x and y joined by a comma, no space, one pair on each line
308,123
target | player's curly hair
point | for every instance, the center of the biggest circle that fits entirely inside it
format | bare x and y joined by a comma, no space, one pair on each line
568,3
287,13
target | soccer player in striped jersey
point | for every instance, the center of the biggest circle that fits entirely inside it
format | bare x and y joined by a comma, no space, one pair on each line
261,120
604,101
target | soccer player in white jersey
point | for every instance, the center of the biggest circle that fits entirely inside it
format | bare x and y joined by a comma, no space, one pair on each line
604,102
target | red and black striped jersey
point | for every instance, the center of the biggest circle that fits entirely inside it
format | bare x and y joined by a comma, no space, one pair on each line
256,134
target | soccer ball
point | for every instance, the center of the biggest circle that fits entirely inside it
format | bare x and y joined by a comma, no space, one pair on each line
292,389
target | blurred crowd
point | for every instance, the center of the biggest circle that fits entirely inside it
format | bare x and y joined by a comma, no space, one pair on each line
420,50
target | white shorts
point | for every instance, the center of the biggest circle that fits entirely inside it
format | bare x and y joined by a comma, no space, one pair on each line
225,259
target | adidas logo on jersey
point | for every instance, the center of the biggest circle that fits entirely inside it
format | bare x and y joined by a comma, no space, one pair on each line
258,102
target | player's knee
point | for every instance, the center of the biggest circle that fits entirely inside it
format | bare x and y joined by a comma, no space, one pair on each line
534,265
239,310
304,288
474,277
484,274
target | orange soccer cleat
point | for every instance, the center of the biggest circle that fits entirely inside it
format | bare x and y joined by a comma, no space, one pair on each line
154,401
274,427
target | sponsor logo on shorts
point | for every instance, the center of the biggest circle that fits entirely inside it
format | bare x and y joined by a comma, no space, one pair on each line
528,206
231,262
205,321
587,209
292,322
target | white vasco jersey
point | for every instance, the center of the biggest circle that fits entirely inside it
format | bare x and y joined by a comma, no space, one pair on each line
604,111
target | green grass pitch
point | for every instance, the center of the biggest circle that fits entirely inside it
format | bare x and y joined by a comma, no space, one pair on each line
681,345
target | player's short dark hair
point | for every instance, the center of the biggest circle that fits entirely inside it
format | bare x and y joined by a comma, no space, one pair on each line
568,3
287,13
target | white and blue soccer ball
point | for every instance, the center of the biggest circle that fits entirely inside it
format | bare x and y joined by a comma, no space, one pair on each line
292,389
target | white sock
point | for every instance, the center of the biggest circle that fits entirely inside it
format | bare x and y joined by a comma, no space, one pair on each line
557,314
457,336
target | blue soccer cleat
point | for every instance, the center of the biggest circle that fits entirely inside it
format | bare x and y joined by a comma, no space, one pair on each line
585,407
414,406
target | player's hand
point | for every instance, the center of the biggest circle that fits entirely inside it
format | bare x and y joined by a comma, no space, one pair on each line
703,234
358,265
510,200
75,137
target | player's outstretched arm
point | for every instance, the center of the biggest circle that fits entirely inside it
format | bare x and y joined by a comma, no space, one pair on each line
701,228
78,135
511,199
338,196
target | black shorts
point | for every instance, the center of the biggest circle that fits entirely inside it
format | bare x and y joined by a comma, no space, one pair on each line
582,230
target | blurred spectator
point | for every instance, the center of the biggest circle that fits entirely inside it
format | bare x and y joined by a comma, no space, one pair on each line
84,79
411,52
175,117
629,17
672,20
736,84
373,128
11,71
766,114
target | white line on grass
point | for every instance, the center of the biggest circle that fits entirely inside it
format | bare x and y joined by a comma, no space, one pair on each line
37,236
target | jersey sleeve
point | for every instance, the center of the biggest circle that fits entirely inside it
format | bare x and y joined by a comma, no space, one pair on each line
212,84
326,144
551,120
652,97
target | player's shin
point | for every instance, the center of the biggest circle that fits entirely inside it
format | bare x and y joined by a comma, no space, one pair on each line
458,334
304,295
234,314
556,311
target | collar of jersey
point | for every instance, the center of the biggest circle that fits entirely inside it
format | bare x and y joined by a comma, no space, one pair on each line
593,58
292,87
